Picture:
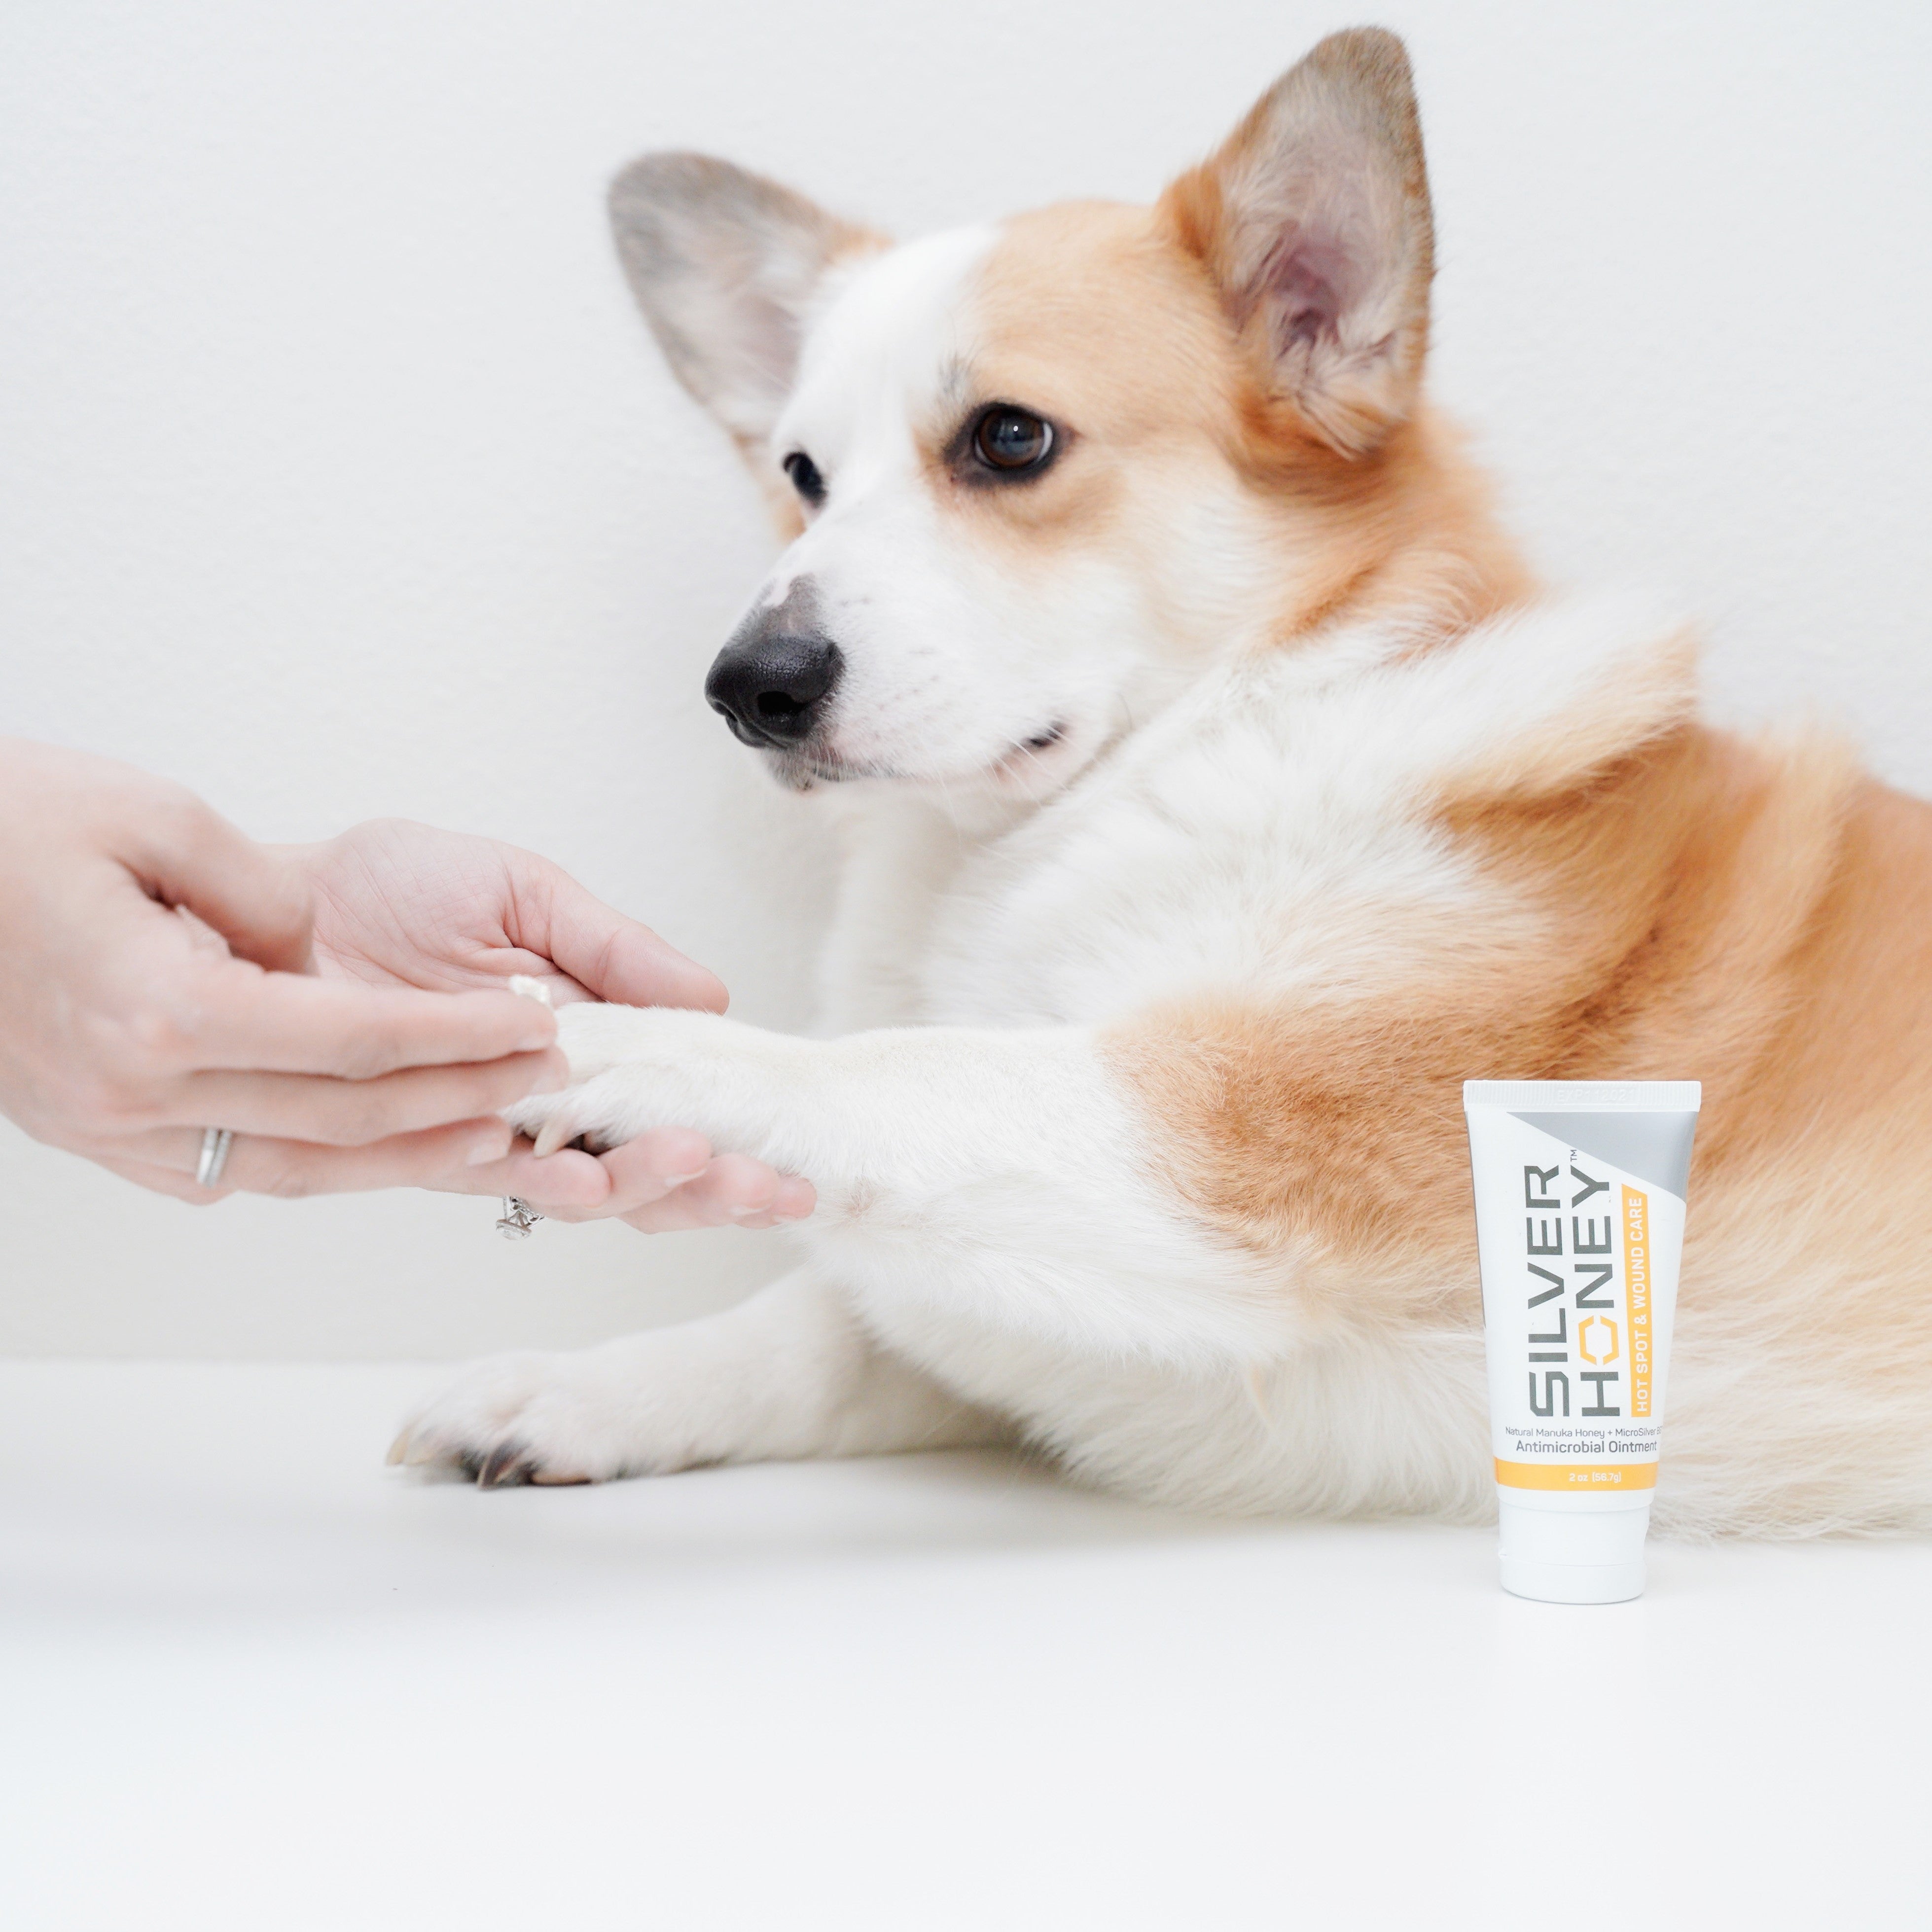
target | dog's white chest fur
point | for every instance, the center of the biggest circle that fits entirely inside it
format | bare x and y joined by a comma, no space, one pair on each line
1268,834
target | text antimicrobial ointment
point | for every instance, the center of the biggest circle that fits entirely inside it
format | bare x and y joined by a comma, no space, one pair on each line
1580,1188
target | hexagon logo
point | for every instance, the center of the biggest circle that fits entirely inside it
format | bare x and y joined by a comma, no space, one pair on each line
1608,1338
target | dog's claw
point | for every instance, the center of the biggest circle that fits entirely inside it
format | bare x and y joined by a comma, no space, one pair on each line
504,1467
399,1449
556,1132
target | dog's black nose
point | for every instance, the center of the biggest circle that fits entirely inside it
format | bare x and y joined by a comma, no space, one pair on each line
772,682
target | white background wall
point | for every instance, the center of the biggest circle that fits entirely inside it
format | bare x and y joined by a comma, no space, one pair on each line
337,477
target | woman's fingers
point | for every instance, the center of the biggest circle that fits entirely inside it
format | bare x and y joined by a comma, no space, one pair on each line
572,1186
664,1180
614,957
356,1113
289,1023
734,1191
165,1159
569,1186
654,1165
796,1200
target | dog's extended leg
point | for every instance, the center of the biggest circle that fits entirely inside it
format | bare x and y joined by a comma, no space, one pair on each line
1009,1173
788,1374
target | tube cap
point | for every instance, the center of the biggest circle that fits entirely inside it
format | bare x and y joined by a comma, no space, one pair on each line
1572,1555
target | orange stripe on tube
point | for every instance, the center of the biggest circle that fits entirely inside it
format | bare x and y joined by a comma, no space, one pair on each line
1637,1297
1576,1475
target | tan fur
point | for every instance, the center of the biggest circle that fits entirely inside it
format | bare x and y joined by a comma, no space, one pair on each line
1092,314
1759,917
1756,916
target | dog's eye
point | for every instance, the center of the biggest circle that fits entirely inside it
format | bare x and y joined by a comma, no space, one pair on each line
1012,441
805,477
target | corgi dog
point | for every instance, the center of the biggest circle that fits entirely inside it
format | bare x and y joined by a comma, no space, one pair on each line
1218,791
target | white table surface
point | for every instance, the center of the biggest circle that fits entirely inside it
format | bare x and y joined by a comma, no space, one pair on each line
250,1678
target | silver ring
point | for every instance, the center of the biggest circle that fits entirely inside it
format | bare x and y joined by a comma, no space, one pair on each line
215,1142
519,1217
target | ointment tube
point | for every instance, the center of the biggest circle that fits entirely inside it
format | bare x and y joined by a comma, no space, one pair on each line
1580,1188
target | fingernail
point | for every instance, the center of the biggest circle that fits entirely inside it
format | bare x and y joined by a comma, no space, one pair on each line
792,1214
679,1180
491,1146
551,1080
536,1043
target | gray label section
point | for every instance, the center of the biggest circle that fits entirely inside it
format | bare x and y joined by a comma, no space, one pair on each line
1655,1147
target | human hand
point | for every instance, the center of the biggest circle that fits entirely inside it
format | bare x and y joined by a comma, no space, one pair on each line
154,982
400,904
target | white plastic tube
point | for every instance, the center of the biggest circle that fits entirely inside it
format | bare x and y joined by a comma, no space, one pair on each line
1580,1188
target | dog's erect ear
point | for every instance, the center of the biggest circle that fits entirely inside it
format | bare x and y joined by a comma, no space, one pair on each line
723,265
1313,221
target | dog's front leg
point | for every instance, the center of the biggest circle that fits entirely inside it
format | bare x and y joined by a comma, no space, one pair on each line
915,1109
790,1373
1009,1173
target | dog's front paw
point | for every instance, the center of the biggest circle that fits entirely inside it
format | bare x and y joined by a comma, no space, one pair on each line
632,1068
602,1114
528,1417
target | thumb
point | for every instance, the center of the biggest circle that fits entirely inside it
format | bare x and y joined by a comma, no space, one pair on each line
188,855
608,954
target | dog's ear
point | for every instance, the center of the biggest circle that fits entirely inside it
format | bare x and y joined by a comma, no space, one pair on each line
1313,221
724,264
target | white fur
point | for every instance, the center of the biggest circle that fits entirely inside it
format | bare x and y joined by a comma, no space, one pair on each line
952,663
997,1248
